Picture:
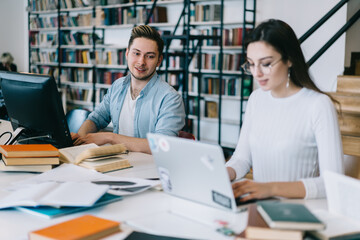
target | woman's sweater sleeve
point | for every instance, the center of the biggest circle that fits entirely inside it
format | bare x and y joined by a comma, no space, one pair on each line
328,140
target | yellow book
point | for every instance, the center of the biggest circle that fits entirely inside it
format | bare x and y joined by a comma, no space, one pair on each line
84,57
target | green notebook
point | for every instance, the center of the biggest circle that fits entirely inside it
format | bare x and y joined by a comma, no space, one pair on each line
52,212
289,216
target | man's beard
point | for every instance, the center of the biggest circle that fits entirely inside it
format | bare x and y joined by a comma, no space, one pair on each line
145,78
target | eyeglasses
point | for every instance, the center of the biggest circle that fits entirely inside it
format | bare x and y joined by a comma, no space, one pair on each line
249,68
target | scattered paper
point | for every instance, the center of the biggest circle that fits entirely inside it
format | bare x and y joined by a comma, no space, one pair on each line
343,195
74,173
75,194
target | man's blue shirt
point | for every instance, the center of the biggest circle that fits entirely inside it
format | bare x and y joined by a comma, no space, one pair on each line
159,108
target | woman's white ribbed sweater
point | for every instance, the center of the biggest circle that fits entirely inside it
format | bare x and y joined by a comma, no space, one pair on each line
289,139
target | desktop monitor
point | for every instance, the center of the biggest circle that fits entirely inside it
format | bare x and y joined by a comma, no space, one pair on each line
34,103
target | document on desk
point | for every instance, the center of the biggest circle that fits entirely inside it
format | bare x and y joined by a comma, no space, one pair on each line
74,194
74,173
342,218
343,195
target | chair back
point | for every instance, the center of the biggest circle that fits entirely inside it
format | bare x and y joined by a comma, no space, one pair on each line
75,118
187,135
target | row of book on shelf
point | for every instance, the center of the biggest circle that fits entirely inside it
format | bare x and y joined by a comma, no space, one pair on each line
45,5
45,39
211,85
85,95
231,37
103,17
210,108
205,12
82,75
105,56
211,61
125,15
128,15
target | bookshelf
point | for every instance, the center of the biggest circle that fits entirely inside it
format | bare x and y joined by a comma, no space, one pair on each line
83,45
202,56
209,59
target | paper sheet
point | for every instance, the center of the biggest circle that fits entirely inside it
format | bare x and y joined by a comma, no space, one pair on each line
74,173
56,194
343,195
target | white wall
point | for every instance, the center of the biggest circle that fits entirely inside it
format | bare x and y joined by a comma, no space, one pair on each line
301,15
13,28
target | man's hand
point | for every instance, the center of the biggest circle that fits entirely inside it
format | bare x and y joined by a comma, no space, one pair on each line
74,136
99,138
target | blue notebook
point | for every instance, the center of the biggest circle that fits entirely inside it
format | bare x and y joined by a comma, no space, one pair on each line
52,212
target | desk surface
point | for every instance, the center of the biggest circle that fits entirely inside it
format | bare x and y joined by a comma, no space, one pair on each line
147,211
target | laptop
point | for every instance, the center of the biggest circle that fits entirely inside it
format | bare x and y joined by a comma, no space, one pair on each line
193,170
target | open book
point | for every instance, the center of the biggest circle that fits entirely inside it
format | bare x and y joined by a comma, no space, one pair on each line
102,159
342,218
54,212
55,194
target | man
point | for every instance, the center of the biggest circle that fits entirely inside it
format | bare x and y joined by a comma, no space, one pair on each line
138,103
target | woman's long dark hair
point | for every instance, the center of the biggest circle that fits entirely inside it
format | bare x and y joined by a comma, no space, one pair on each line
282,38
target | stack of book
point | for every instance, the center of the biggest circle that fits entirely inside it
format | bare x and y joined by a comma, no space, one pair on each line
274,220
28,157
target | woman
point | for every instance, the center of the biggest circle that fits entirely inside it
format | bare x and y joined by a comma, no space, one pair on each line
290,133
6,62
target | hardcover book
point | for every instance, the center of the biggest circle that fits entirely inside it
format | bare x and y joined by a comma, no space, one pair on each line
84,227
258,229
295,216
29,150
14,161
24,168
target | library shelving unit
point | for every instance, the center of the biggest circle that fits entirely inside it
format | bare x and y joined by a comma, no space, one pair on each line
84,46
208,59
69,41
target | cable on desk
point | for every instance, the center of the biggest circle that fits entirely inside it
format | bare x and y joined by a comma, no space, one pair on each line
7,132
36,137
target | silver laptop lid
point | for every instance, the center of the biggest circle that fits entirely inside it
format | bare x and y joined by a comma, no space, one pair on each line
192,170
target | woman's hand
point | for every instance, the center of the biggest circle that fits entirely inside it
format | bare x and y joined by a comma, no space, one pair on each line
253,190
256,190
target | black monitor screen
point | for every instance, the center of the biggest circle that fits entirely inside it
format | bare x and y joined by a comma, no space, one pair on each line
34,103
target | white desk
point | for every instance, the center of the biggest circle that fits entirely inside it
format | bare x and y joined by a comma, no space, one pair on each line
148,210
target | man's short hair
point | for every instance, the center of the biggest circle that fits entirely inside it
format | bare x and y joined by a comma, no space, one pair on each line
145,31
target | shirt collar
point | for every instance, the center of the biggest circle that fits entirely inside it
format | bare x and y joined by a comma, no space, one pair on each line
148,86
